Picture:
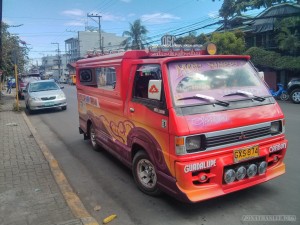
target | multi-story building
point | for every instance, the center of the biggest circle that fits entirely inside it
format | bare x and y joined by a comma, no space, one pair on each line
55,67
87,41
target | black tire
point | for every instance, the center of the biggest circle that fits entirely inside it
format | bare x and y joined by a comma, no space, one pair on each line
144,174
295,96
28,109
64,107
284,96
92,135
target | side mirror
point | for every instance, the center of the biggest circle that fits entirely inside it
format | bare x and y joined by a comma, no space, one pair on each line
62,87
154,89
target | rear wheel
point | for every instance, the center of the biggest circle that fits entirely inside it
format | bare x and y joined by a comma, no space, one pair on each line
93,142
295,96
144,174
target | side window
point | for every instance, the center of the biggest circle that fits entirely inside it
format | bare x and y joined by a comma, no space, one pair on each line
106,77
148,82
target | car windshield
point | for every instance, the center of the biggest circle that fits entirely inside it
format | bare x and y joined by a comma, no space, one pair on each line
43,86
219,81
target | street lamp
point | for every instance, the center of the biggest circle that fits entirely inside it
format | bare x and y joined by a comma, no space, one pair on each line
58,56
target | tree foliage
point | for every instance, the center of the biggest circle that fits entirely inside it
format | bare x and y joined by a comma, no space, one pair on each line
271,59
231,8
136,36
229,42
288,38
12,52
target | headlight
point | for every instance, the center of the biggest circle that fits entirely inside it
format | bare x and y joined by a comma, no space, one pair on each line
192,143
276,127
34,99
62,95
189,144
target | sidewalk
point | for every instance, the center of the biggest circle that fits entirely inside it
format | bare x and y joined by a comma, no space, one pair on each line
30,192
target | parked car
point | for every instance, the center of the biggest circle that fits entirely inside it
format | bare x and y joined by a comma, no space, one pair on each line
44,94
293,89
24,80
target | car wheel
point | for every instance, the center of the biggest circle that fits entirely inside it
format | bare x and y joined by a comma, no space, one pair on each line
93,142
295,96
144,174
28,109
284,96
64,107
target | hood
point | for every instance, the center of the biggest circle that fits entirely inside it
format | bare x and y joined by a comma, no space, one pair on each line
42,94
233,118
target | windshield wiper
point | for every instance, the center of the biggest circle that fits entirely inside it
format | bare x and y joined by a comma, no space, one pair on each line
206,98
247,94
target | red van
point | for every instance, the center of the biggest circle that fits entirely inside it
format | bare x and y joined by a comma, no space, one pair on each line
187,122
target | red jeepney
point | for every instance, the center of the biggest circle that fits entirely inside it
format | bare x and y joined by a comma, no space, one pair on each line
187,123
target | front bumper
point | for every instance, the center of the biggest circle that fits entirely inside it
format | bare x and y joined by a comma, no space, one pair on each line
213,165
36,105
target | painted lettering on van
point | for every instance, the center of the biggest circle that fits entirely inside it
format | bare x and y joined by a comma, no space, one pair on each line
209,120
200,166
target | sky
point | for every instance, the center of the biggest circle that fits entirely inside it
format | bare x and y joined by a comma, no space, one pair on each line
42,22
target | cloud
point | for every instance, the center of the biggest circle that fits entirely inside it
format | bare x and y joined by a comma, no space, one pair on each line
159,18
73,12
75,24
126,1
111,17
213,14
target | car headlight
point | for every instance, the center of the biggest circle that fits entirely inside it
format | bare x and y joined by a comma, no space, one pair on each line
189,144
192,143
34,99
62,95
276,127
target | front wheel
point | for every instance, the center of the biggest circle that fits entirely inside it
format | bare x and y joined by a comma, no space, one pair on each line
284,96
144,174
295,96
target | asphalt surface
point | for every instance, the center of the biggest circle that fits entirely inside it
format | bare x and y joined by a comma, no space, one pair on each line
106,187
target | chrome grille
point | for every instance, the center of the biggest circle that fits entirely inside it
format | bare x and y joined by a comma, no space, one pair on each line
48,98
237,137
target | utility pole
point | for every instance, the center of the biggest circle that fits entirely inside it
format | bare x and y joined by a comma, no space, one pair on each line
58,56
99,28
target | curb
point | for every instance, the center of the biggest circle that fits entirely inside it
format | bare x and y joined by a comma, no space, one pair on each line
73,201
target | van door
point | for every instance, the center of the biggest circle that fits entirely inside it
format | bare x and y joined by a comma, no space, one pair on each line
147,110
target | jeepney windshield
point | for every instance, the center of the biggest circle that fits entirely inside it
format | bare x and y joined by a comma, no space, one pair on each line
214,81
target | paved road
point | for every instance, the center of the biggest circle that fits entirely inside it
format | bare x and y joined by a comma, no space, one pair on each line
100,180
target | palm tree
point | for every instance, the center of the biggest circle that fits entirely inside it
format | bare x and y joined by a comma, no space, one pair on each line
136,36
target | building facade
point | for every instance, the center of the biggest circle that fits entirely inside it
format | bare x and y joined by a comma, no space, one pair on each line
89,41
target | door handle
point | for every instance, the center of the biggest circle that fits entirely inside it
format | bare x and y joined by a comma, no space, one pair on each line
131,109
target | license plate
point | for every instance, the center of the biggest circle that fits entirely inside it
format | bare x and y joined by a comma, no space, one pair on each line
48,103
245,153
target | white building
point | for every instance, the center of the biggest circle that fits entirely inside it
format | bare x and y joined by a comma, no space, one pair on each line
86,41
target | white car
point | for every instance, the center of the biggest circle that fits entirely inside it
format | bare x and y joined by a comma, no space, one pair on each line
44,94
